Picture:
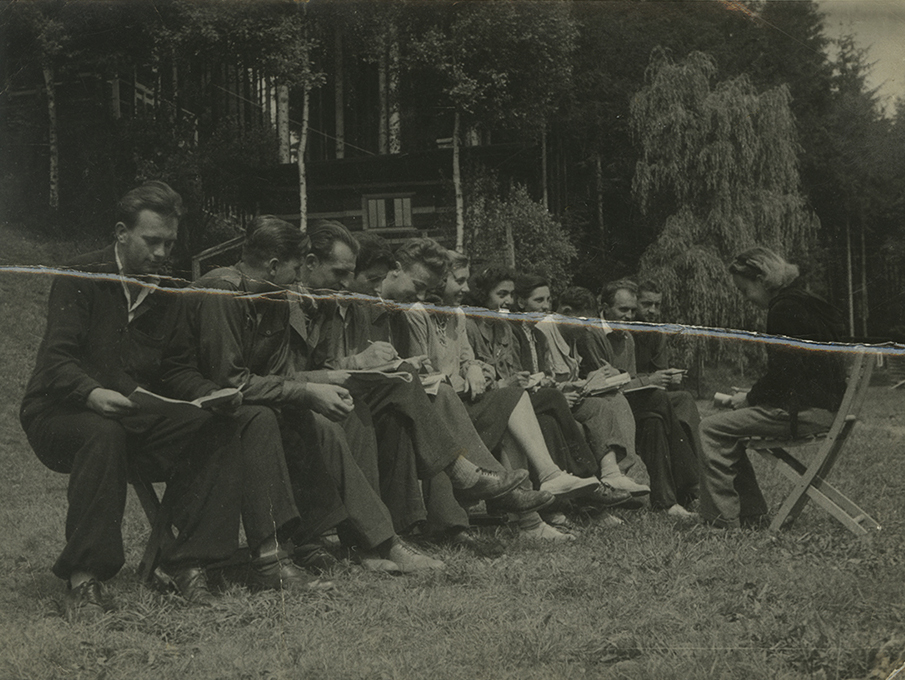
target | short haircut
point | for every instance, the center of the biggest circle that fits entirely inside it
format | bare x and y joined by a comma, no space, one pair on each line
649,286
609,290
323,236
425,251
578,298
457,260
155,196
484,281
373,249
527,283
269,237
759,261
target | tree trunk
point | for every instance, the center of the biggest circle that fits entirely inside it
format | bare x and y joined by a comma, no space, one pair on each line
303,179
394,129
848,271
865,312
53,146
382,103
598,197
283,122
339,95
174,77
115,108
457,184
510,246
545,195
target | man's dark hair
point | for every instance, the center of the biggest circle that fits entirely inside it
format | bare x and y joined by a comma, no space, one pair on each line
156,196
609,290
527,283
269,237
578,298
323,236
649,286
485,280
425,251
373,250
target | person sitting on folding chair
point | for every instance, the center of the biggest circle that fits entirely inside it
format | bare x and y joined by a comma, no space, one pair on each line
795,397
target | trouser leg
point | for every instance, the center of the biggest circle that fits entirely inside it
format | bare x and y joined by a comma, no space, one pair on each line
399,488
359,430
268,508
92,449
448,409
317,499
653,448
196,455
608,423
443,510
203,456
685,444
434,443
729,489
367,516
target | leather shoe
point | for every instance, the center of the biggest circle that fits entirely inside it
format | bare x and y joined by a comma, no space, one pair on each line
492,484
191,584
277,572
85,602
472,541
521,500
314,558
605,496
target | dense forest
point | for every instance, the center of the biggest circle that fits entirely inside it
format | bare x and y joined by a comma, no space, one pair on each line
668,134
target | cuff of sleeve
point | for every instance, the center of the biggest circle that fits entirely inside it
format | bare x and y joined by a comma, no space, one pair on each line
294,391
80,394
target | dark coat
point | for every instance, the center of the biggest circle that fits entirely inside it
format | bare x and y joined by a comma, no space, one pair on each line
89,341
798,378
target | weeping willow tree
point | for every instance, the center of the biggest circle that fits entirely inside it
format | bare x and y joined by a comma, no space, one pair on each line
719,171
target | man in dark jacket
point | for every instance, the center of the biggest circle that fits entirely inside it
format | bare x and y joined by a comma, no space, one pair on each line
796,396
113,327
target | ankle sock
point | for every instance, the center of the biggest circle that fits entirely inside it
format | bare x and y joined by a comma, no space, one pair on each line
462,473
548,475
608,465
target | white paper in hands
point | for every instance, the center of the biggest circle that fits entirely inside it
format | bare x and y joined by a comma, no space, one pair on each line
155,403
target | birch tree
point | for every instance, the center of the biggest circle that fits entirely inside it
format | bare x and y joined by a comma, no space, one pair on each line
501,64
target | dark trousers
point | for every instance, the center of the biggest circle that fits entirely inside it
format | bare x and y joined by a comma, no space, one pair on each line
434,444
196,455
330,487
415,442
562,433
268,507
686,410
665,448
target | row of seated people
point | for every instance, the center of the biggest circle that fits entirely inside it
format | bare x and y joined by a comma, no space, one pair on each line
332,415
486,353
298,447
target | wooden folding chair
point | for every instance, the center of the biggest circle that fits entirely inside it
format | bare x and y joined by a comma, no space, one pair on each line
161,529
810,479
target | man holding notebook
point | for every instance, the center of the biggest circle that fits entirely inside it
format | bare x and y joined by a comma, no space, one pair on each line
114,325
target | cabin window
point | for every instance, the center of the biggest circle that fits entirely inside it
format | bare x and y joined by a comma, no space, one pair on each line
382,212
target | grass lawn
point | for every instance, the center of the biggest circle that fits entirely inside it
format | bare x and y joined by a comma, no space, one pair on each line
643,600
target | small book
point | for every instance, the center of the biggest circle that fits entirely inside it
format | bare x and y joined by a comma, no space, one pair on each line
642,388
534,380
432,381
600,385
156,403
374,374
